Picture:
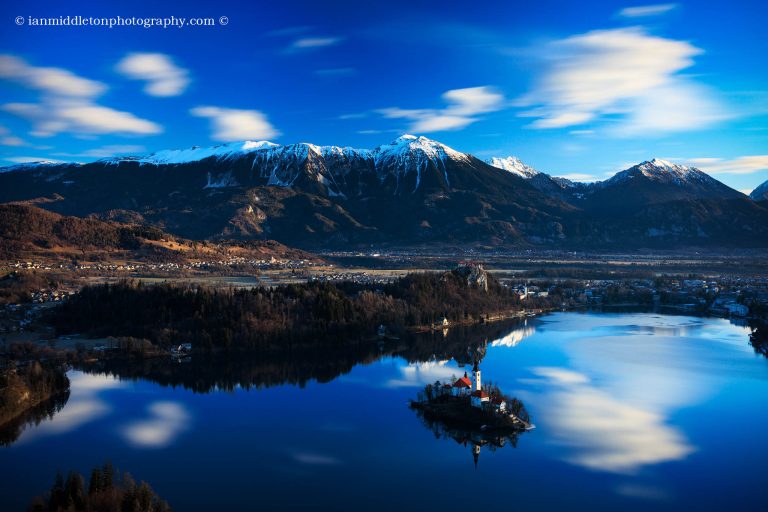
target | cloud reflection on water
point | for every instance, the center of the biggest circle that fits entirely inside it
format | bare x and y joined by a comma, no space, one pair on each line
315,459
166,421
419,374
603,432
84,406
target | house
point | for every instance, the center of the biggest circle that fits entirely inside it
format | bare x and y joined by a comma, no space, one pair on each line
442,322
462,386
499,404
382,332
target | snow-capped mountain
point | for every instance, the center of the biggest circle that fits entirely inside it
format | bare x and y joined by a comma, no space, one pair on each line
36,165
560,188
407,151
197,153
413,190
667,180
664,172
406,159
760,193
513,165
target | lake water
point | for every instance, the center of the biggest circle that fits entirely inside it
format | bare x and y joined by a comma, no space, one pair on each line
633,410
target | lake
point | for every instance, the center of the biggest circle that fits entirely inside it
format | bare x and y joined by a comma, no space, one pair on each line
632,410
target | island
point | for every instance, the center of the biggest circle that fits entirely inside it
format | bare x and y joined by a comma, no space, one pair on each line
472,413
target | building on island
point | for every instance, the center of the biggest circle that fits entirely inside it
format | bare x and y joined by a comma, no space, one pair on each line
462,386
476,377
480,397
474,390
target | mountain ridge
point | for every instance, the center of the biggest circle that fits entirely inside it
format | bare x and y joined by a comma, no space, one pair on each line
413,190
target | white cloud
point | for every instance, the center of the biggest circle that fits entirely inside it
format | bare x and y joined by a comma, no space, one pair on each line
679,105
107,151
55,81
575,176
80,117
12,141
310,43
740,165
621,72
642,11
463,107
67,103
231,124
287,31
564,119
163,77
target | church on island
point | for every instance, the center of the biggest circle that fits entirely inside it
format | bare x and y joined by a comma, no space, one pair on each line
474,389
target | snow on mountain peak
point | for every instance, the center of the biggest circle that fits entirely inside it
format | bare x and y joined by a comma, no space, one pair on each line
24,166
513,165
409,153
410,149
661,170
196,153
658,165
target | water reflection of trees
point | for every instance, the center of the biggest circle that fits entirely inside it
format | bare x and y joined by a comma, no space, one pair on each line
203,373
11,430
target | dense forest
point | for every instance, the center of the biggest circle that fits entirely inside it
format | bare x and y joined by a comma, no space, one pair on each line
308,314
107,491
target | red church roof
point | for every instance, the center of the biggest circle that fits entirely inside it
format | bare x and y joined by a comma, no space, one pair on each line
481,394
463,382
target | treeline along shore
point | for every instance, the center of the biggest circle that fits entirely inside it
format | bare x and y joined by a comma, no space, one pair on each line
283,317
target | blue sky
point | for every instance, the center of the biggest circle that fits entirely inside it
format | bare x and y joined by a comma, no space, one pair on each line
577,89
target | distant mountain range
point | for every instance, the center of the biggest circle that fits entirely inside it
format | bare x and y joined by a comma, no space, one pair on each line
413,191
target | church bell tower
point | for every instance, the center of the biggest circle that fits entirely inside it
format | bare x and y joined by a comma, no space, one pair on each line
476,377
